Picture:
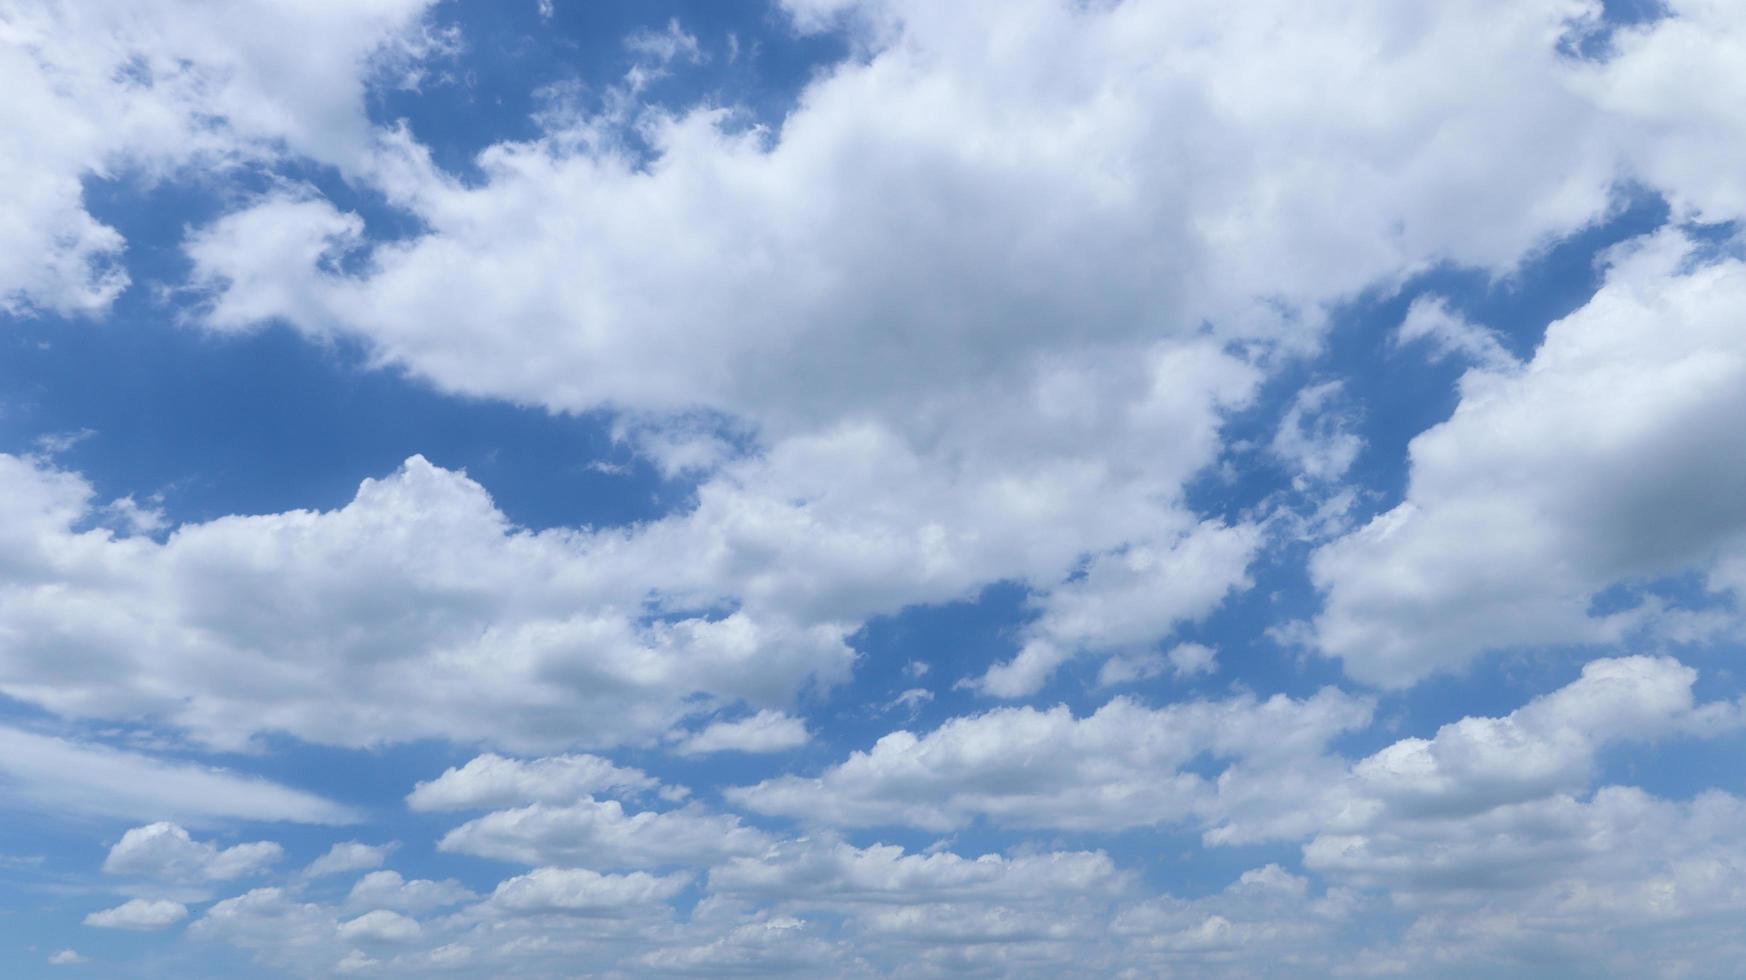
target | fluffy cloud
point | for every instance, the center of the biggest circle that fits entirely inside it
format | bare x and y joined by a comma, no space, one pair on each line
578,891
166,852
766,731
139,913
490,781
1125,765
1129,597
349,856
1546,746
1610,458
827,872
380,926
123,89
388,890
415,611
600,834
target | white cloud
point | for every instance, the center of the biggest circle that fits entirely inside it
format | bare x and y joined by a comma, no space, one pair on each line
1609,458
578,891
166,852
388,890
415,611
349,856
766,731
833,873
490,781
600,834
1315,438
66,776
1430,320
118,89
139,913
1130,597
1183,660
380,926
66,957
1123,766
1546,746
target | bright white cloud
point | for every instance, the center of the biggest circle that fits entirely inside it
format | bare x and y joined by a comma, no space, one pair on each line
380,926
166,852
600,834
139,913
578,891
147,89
388,890
1123,766
490,781
349,856
1610,458
766,731
415,611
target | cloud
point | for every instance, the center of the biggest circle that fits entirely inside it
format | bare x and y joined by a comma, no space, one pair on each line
766,731
578,891
117,90
600,834
1314,438
417,610
1429,320
68,776
166,852
490,781
388,890
1547,746
836,874
349,856
1130,597
380,926
1124,765
139,913
1610,458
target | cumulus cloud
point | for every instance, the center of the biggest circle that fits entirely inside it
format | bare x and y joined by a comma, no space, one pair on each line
111,89
349,856
139,913
166,852
1124,765
600,834
388,890
766,731
490,781
1610,458
417,610
578,891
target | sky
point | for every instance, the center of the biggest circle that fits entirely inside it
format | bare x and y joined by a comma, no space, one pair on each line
864,488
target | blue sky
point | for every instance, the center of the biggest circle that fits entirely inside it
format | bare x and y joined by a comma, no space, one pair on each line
871,487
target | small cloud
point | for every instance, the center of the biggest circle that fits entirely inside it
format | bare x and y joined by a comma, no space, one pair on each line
910,700
349,856
56,443
66,957
139,914
1189,659
766,731
1449,334
1315,437
666,45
